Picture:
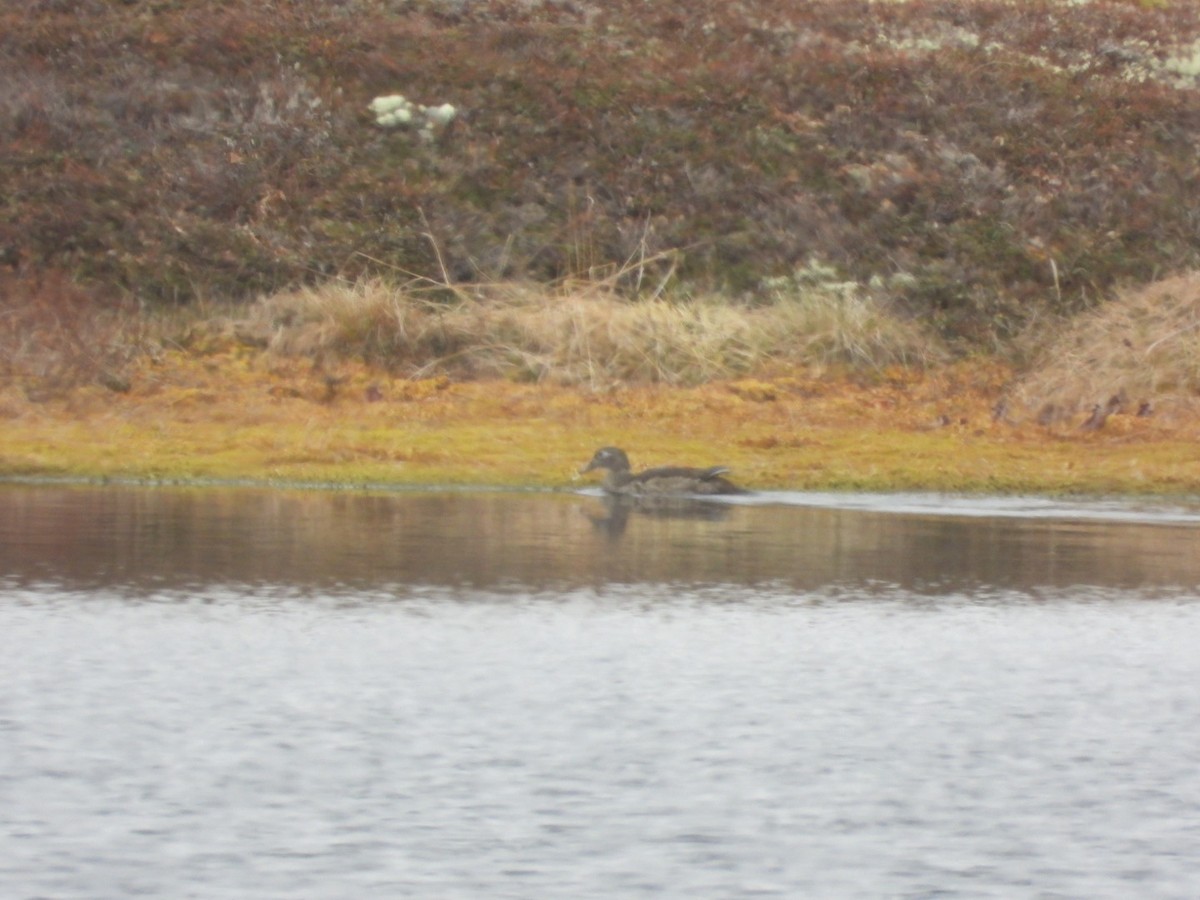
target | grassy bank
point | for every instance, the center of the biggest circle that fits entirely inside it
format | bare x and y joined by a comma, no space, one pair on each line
233,415
832,244
294,389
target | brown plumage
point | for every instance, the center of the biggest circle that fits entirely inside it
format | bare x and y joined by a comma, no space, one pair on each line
619,478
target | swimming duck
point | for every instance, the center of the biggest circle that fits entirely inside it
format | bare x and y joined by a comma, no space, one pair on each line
619,479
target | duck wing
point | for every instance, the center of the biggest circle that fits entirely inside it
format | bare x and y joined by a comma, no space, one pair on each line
667,472
682,480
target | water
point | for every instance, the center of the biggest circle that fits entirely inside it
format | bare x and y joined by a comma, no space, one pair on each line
244,693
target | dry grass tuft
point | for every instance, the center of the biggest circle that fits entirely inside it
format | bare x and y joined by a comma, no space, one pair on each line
56,335
1143,346
584,332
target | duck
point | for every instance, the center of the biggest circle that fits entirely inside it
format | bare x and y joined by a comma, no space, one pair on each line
664,480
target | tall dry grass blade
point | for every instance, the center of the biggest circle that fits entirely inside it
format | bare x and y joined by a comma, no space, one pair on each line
1142,345
586,332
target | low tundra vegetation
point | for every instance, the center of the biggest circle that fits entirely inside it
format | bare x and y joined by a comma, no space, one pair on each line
595,193
1009,160
590,332
1140,352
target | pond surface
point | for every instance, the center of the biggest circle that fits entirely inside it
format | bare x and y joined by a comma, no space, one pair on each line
273,693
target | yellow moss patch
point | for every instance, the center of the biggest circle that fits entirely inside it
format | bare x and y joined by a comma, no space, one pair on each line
254,417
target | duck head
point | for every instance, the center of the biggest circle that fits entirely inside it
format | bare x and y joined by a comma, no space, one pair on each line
611,458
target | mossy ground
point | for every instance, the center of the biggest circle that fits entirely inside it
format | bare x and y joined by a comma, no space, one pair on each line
985,170
239,413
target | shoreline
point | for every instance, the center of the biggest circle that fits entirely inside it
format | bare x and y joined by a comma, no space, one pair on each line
240,417
911,501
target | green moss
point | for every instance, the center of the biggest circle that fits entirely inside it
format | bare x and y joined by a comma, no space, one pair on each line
214,420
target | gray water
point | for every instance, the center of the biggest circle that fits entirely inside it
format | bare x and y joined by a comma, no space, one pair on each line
252,693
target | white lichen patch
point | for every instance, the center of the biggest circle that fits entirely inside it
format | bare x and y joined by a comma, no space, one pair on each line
397,111
1184,65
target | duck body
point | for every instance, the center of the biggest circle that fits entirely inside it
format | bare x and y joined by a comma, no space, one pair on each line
661,481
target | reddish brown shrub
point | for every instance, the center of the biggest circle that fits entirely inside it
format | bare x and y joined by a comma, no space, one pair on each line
55,335
1000,156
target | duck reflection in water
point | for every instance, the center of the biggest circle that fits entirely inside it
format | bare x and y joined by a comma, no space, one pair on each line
666,492
618,508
